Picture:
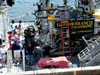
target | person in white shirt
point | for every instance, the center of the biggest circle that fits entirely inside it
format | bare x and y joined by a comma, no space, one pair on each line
3,51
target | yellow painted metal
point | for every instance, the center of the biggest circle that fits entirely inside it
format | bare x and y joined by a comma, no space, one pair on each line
48,8
98,17
75,72
51,18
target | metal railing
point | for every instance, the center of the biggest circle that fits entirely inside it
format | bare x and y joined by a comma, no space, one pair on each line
92,49
95,70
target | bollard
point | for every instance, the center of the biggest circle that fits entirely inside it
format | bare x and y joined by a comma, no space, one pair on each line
9,60
23,58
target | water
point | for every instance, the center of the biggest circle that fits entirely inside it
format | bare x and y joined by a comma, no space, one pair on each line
23,9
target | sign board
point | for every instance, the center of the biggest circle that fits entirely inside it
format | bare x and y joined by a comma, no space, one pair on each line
78,28
81,28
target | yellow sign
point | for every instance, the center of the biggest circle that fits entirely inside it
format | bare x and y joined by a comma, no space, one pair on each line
78,28
98,17
77,23
51,18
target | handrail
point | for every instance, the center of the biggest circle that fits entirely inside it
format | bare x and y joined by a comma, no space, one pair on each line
93,70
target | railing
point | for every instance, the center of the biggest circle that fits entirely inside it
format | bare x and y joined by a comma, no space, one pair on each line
66,71
92,49
89,51
84,54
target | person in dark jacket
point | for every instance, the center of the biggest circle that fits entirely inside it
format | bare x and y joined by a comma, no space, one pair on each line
47,49
37,54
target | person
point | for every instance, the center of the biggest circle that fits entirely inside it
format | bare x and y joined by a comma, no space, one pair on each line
18,27
37,54
0,41
12,25
47,49
15,48
28,53
0,50
3,56
20,24
39,6
10,37
36,37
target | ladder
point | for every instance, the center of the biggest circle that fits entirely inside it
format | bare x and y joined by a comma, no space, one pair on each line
65,31
62,40
67,16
